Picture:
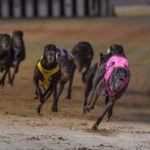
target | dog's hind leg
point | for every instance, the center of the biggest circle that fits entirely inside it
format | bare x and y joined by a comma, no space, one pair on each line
111,109
110,112
108,107
106,100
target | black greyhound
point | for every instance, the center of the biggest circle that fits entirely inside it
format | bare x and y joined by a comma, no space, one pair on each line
89,77
83,54
67,67
112,86
19,52
46,76
6,56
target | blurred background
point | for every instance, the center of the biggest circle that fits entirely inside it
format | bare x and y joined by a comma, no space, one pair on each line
72,8
66,22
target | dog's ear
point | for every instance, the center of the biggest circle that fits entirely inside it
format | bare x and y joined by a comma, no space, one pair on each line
101,55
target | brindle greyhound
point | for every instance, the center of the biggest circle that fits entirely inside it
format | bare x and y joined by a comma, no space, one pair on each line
97,82
46,76
67,67
83,54
6,56
19,52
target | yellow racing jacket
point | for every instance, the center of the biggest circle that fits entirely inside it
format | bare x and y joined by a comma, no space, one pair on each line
47,74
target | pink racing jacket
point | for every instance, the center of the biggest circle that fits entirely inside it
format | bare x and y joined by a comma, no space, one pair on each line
112,63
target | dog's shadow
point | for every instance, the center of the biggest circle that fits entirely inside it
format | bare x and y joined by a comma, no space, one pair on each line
102,131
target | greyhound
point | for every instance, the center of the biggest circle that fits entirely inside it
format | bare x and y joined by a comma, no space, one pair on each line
83,54
67,67
46,76
19,52
6,56
109,79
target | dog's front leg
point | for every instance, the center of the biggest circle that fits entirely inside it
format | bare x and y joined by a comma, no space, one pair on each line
40,95
48,92
2,80
38,91
60,89
17,67
15,72
85,72
55,100
88,87
69,90
36,94
95,97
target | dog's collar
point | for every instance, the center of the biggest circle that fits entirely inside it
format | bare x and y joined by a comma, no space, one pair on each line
46,71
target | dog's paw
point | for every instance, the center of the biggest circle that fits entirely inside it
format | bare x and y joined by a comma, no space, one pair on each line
54,109
94,127
84,110
39,110
35,97
68,97
88,108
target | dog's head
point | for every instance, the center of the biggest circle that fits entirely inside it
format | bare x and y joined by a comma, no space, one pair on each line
5,42
116,49
50,53
83,54
17,38
5,45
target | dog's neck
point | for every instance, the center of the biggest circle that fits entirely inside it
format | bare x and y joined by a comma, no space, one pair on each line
47,66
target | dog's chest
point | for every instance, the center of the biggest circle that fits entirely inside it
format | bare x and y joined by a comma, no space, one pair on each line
47,74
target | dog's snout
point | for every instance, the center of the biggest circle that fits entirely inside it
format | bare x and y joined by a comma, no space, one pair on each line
17,42
50,57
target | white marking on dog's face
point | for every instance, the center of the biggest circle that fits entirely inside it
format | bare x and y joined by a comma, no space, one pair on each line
50,56
108,50
5,44
17,41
